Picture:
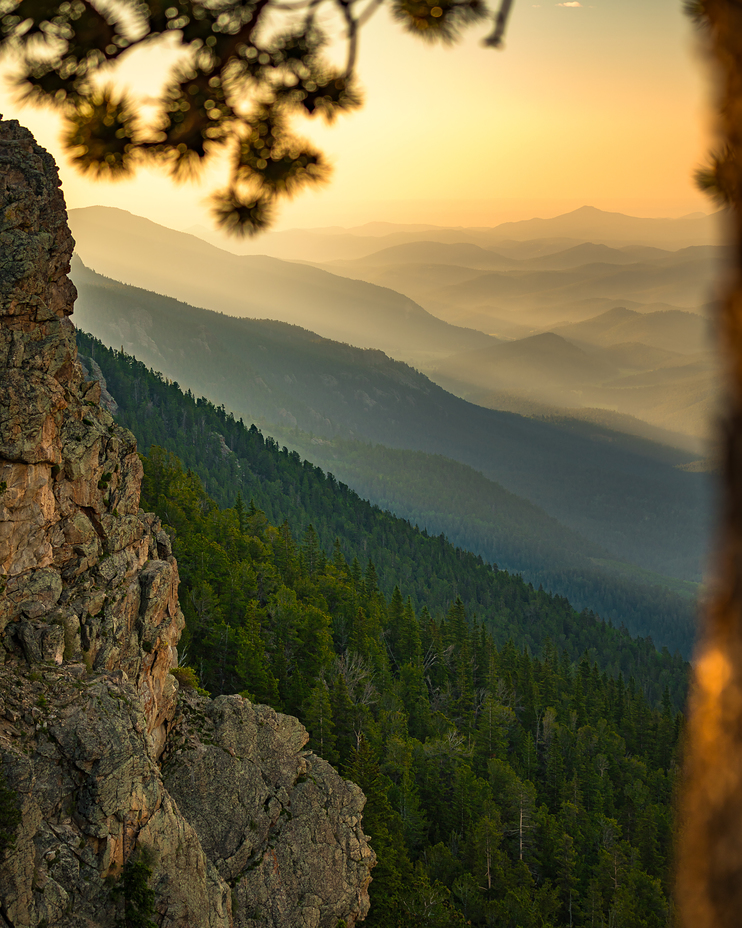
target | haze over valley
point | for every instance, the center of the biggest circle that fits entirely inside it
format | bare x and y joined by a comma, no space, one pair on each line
600,330
140,252
598,423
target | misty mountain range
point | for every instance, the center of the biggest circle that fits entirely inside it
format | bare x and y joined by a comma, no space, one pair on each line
140,252
440,316
635,504
671,389
526,238
597,422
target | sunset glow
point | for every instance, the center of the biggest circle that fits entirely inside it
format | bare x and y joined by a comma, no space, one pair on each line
588,104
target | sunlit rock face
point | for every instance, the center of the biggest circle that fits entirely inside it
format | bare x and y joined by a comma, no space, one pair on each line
89,625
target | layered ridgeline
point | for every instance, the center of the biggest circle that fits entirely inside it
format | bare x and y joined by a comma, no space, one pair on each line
610,306
421,299
431,491
623,494
638,236
138,251
586,327
502,788
232,459
124,798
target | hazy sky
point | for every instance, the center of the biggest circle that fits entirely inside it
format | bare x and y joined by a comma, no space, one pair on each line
598,103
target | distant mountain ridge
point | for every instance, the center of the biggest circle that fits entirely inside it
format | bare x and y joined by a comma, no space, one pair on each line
511,291
535,290
140,252
655,366
584,224
596,225
547,356
671,330
456,253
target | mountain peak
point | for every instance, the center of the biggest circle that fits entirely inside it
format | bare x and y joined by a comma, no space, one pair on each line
618,312
589,210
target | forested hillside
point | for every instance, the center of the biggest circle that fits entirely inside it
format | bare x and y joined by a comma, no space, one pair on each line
232,459
518,756
476,514
503,788
610,488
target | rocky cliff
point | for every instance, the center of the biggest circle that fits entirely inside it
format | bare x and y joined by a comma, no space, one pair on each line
103,753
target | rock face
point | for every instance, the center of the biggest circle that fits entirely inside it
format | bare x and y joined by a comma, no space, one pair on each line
271,848
106,756
91,371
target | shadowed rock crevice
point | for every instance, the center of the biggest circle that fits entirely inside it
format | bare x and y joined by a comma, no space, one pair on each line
246,828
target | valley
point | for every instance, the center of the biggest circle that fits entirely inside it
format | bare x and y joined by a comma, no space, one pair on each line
364,553
577,455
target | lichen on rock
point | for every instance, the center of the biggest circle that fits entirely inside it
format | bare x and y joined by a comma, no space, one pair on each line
105,755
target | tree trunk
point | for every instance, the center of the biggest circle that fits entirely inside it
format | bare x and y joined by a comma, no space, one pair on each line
709,883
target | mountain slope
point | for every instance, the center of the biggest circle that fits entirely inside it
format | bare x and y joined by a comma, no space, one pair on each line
435,493
445,732
672,330
546,361
137,251
594,483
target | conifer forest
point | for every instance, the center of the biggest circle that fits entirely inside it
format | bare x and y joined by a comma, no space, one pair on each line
519,758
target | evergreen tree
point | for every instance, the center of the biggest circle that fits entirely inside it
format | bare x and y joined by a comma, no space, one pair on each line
384,828
135,897
318,719
343,713
10,815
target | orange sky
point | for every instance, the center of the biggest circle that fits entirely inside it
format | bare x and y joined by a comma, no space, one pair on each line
600,104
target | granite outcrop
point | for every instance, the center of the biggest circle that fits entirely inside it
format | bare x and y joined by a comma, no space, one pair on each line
104,752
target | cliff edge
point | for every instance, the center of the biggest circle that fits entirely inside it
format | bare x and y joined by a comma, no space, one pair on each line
103,753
